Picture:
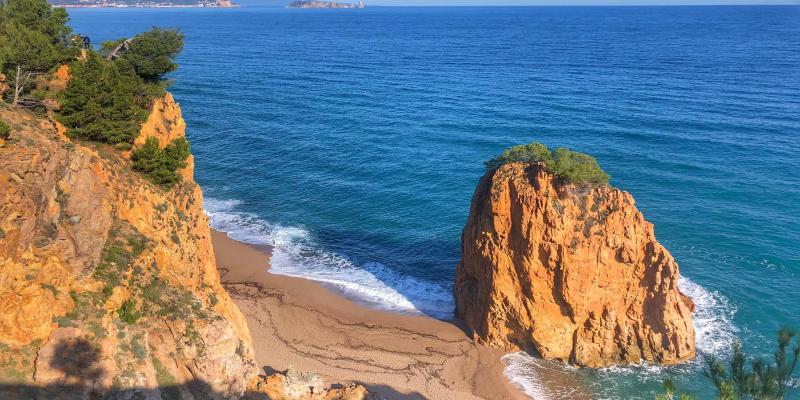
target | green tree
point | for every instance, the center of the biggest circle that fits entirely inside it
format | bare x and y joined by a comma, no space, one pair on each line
161,165
669,392
33,39
39,16
104,101
25,54
152,53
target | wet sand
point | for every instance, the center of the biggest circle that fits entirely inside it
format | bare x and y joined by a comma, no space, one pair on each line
296,322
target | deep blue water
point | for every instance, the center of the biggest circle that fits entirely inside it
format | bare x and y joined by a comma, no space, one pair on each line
352,141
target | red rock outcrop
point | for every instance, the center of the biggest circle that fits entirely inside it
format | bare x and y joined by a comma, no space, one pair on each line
571,273
107,280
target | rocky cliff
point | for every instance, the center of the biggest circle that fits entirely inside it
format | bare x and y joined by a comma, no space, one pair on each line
108,281
570,273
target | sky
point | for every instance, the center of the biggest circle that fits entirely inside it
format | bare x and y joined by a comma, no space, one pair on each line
533,2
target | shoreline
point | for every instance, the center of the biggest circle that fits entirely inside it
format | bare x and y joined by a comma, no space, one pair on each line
300,323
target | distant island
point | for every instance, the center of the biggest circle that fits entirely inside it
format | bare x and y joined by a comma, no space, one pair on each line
140,3
324,4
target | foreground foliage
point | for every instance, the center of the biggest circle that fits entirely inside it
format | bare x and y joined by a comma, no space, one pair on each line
761,380
571,166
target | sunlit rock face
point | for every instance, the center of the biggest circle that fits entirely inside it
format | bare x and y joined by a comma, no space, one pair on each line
107,281
570,273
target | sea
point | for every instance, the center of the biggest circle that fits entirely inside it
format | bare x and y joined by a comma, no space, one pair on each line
352,140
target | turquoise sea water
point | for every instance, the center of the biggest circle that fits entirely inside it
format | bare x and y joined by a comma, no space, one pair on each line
352,142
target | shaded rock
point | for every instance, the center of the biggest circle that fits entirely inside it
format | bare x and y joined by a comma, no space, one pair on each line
295,385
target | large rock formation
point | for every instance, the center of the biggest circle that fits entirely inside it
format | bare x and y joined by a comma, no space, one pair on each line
107,280
571,273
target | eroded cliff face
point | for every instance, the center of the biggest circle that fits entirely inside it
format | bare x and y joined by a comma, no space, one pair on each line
573,274
107,280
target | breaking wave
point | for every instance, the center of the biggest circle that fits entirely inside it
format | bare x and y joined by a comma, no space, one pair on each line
295,253
715,335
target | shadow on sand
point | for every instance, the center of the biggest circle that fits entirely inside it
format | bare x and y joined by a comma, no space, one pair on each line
74,371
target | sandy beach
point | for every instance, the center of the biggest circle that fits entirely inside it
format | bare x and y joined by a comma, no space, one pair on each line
296,322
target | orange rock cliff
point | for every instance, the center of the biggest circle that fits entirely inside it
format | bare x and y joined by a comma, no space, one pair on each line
109,284
570,273
107,280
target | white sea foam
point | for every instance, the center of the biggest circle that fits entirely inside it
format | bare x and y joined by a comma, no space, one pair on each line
713,319
522,372
295,253
541,379
715,335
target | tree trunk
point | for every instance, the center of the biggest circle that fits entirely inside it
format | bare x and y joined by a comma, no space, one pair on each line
17,86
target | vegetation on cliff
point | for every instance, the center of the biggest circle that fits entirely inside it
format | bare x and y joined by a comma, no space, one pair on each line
34,38
160,165
5,131
107,98
108,94
571,166
104,101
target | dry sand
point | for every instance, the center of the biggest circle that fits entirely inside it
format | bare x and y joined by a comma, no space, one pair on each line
297,322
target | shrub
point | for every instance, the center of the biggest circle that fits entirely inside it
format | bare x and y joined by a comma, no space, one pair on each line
128,313
138,350
571,166
5,130
161,165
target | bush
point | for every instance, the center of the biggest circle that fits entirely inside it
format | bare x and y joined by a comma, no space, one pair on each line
5,130
127,312
571,166
161,165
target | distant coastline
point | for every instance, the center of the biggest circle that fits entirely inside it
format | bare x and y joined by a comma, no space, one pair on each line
324,4
144,4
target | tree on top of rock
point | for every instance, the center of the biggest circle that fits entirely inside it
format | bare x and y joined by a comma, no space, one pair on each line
571,166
